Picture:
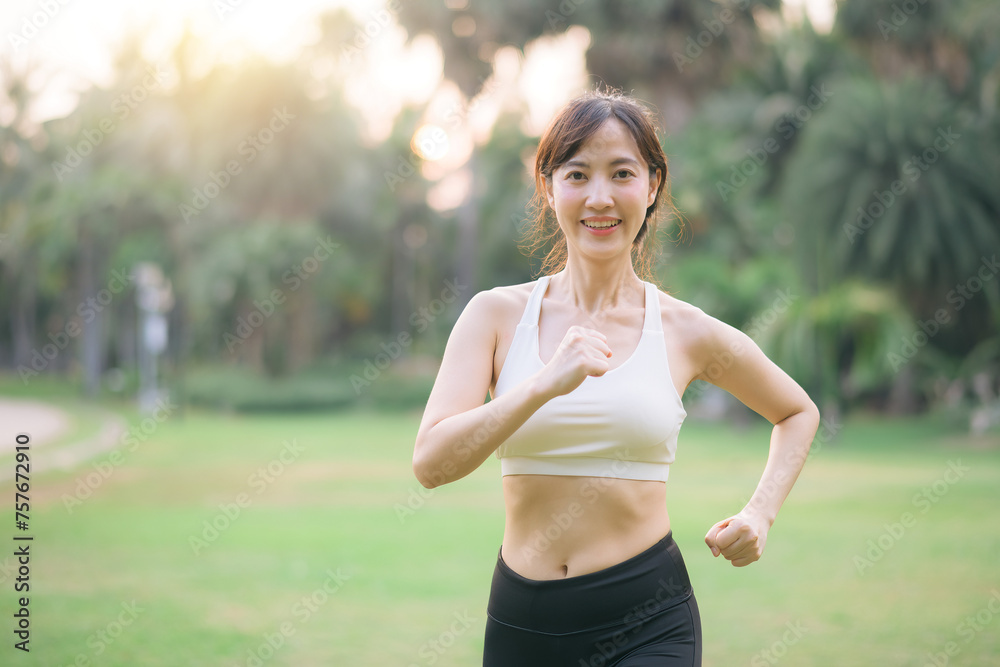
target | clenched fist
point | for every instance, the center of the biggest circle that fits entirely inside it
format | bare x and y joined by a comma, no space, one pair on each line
582,352
739,538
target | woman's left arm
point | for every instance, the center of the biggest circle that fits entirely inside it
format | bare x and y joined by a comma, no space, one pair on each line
731,360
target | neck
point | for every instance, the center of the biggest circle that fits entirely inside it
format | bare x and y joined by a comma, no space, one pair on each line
597,287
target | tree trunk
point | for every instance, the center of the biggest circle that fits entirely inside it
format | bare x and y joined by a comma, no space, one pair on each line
401,299
23,317
93,331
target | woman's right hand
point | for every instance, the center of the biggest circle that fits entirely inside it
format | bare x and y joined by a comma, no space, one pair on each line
582,352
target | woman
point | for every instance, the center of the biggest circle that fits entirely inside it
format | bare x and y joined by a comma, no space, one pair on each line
585,367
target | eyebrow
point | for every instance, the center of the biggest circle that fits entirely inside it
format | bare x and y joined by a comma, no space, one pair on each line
616,161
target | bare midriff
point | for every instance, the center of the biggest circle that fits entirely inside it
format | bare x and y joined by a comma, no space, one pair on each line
562,526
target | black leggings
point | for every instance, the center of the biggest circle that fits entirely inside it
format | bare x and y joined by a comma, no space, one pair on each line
638,613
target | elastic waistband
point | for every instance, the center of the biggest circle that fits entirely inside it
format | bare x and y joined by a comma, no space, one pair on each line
628,592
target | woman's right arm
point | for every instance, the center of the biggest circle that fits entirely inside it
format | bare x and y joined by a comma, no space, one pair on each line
458,430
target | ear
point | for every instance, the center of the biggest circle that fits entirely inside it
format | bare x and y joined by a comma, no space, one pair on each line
654,185
549,196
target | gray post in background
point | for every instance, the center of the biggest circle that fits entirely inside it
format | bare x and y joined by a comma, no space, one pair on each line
155,298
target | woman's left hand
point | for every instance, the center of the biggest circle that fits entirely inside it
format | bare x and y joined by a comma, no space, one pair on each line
739,538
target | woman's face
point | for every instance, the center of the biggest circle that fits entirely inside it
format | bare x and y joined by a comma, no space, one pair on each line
600,195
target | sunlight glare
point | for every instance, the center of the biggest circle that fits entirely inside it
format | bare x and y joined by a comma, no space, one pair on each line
76,45
393,75
821,13
555,71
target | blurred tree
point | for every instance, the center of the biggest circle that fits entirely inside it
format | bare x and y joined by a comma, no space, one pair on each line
837,344
902,194
76,204
21,157
503,185
895,191
780,140
670,53
959,40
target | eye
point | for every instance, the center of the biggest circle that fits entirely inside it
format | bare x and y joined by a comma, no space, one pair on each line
623,173
575,176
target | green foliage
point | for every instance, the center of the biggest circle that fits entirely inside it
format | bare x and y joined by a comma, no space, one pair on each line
326,385
901,193
777,136
235,389
838,344
734,293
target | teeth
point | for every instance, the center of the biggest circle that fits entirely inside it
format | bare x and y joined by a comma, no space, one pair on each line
600,225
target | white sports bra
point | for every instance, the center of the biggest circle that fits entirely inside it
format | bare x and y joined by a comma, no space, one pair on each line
623,424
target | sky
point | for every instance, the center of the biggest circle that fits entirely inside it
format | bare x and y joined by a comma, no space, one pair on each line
71,40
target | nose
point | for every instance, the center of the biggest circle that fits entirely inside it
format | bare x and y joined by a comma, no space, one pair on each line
599,194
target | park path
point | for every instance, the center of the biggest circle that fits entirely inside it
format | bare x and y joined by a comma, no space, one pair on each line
47,425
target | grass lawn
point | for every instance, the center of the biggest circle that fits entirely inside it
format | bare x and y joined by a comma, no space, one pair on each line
325,547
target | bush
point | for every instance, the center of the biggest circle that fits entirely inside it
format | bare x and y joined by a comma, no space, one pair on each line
326,385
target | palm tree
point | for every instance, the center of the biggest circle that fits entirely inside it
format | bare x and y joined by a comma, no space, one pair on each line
887,189
954,39
836,344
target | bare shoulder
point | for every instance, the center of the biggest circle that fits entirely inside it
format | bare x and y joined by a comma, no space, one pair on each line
487,321
701,339
500,304
508,296
688,323
720,354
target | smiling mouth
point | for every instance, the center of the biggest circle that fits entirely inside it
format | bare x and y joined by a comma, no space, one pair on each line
600,224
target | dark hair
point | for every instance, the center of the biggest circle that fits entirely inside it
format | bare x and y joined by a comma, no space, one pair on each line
569,130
